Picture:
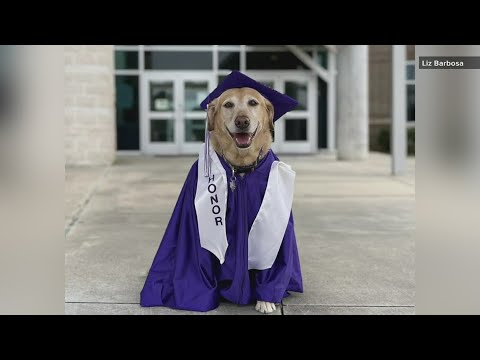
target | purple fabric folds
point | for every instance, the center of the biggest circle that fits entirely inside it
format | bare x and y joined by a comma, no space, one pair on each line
185,276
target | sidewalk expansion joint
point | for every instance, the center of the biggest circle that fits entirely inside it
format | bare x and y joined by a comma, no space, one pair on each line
85,201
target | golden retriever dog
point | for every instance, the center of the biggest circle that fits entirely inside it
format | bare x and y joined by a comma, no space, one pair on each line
240,122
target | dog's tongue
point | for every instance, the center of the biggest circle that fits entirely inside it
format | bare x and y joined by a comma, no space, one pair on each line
242,138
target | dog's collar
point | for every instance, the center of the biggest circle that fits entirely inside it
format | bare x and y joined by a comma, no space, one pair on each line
244,169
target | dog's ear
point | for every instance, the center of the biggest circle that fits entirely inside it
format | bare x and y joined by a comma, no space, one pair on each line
212,111
270,113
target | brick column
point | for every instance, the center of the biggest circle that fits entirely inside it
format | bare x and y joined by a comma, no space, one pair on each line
90,129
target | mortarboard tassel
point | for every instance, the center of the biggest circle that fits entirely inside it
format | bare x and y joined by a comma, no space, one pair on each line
206,154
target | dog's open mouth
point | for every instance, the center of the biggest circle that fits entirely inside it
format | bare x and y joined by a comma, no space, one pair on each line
243,139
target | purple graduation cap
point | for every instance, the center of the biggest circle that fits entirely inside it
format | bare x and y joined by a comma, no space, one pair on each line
281,103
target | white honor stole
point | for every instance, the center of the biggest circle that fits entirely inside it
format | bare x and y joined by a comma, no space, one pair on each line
268,229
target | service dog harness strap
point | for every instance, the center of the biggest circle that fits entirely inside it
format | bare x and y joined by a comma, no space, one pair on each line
267,232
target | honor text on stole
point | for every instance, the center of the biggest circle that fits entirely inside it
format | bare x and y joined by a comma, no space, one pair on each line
212,189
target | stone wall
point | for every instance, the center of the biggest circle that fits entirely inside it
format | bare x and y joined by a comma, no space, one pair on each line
90,130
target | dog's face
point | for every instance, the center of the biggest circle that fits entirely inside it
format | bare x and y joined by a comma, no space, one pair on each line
240,121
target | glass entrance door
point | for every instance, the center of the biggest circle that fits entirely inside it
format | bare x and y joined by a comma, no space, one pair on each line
172,121
295,132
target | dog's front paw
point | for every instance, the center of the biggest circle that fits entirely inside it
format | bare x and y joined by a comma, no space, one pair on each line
265,307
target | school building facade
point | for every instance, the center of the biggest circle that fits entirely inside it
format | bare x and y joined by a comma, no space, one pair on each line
145,98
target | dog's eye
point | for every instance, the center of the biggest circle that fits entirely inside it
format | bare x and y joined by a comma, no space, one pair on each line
228,105
253,102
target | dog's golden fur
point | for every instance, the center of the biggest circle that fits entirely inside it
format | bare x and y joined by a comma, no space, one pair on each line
234,104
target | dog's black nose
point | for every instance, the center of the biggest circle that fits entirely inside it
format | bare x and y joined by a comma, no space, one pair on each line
242,122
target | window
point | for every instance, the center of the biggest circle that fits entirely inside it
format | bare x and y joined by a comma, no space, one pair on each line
410,102
127,110
410,84
228,60
194,130
161,94
162,130
296,129
298,91
178,60
273,60
323,58
195,92
126,60
410,72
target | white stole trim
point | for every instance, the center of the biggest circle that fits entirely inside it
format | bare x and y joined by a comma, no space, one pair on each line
268,228
211,206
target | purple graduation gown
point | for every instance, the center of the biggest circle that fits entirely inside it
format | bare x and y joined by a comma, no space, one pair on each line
186,276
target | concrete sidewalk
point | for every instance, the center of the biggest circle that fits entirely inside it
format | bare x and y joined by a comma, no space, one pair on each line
354,224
